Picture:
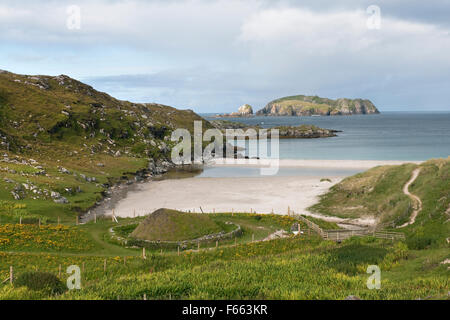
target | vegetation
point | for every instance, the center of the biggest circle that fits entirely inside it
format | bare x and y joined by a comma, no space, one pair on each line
293,268
302,105
379,193
172,225
63,144
41,281
43,238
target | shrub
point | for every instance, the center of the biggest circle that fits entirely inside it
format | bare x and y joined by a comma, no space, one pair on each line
37,281
419,242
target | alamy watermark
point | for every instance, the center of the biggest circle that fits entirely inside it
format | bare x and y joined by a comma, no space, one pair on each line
374,19
374,281
74,280
73,21
262,147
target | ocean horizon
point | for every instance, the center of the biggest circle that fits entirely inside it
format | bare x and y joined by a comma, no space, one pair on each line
405,136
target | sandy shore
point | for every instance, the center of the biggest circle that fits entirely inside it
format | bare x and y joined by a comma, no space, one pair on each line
260,194
245,194
329,164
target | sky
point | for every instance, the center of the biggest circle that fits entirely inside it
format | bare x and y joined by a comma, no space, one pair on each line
216,55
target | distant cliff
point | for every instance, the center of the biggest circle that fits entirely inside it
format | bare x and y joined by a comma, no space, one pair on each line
314,105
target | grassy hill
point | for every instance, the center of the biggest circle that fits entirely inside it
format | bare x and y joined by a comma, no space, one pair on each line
378,193
62,143
302,105
172,225
303,267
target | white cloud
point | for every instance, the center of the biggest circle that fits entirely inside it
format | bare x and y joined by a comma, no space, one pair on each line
221,54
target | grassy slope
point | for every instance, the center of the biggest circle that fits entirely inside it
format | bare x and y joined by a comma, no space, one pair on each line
293,268
378,192
172,225
69,124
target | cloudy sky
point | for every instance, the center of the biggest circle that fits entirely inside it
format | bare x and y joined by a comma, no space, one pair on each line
213,56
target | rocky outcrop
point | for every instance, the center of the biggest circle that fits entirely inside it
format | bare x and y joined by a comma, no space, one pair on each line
305,132
314,105
244,111
285,132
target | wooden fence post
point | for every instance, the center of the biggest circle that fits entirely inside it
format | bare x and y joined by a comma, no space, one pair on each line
145,296
143,253
77,220
11,274
95,218
125,260
217,244
20,220
59,220
178,250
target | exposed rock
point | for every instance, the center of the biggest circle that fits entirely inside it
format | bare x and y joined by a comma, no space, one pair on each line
63,170
15,195
55,195
314,105
61,200
245,110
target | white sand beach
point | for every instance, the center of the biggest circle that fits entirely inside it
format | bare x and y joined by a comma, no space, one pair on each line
261,194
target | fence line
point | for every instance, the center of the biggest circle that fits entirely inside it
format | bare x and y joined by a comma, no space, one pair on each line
342,234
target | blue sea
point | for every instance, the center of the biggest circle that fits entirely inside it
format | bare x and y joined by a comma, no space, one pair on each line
386,136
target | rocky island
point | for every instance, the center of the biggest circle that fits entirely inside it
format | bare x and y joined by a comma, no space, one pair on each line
244,111
304,131
313,105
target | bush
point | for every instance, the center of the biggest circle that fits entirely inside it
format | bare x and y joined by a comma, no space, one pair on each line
38,281
419,242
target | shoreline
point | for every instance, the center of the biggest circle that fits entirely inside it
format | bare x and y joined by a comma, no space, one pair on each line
262,194
295,163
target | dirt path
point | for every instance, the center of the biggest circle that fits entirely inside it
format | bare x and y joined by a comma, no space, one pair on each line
416,199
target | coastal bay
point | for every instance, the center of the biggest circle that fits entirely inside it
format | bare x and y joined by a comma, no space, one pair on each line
245,193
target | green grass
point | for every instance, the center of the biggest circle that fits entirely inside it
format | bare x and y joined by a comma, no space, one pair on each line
70,124
293,268
379,193
376,192
15,237
172,225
